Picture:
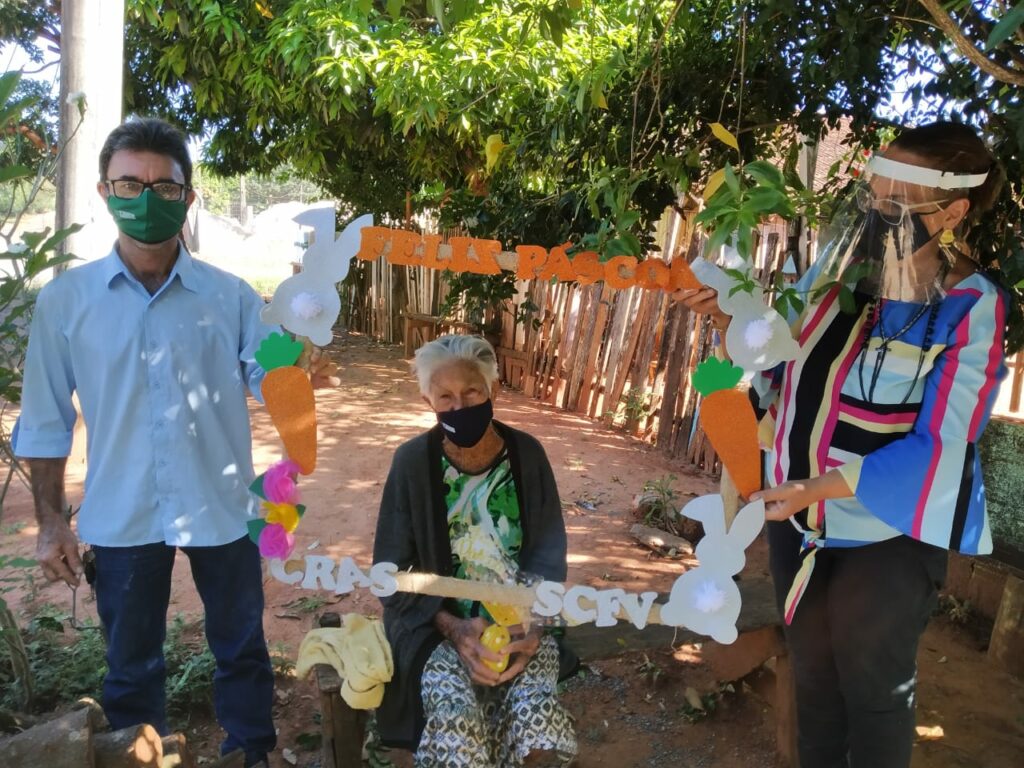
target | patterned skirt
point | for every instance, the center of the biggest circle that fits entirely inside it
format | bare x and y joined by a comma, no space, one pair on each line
473,726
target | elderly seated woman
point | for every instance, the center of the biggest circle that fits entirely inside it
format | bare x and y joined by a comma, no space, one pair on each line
476,499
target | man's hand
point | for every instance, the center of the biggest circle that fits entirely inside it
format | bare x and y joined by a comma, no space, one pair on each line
318,364
56,545
464,634
57,551
524,647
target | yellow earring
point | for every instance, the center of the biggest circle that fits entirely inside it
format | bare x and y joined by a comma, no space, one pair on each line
947,237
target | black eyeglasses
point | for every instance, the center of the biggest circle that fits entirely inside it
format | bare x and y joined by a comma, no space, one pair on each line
129,189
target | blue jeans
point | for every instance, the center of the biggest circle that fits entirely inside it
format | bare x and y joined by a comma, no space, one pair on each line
133,587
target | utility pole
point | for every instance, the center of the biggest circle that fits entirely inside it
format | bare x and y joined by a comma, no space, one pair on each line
91,63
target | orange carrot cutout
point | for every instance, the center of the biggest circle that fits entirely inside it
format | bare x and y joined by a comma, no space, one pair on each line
289,398
729,422
682,275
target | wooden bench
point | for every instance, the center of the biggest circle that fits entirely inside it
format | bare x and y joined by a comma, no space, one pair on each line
760,640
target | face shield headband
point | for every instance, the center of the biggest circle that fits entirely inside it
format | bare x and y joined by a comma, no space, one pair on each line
877,241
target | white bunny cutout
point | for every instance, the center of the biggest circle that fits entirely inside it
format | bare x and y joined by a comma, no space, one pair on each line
307,304
706,599
758,338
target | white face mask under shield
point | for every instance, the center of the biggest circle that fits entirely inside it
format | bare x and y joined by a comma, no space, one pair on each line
877,240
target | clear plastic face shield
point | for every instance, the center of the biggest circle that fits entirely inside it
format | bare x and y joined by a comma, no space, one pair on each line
884,238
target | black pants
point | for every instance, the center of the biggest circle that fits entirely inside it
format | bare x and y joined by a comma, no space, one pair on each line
853,644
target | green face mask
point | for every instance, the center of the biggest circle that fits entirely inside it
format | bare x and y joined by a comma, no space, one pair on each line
147,218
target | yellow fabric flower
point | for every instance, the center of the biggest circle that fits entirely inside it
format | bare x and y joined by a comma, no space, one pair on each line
284,514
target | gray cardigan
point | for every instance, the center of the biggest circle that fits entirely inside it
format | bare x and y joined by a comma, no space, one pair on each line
412,532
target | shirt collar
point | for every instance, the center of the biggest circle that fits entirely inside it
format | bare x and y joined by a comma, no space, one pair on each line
184,269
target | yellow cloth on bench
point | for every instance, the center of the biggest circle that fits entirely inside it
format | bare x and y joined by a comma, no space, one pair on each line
358,651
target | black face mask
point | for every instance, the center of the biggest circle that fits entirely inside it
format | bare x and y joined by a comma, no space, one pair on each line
467,426
875,236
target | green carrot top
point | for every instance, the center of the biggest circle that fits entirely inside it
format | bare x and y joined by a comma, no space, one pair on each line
278,351
713,375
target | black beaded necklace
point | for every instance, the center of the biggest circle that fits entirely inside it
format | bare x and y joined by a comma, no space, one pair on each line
875,319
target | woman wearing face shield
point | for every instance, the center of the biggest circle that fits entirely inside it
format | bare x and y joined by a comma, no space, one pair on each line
873,471
471,498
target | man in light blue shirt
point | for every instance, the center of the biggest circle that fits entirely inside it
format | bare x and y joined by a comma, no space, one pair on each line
160,349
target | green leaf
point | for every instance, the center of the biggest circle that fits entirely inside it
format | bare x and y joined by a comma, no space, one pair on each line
278,351
732,181
765,173
745,242
48,622
8,82
725,136
631,242
847,302
58,237
1006,26
713,375
718,238
256,487
394,8
12,172
256,526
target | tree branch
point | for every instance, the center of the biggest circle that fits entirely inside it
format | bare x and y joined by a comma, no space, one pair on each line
952,30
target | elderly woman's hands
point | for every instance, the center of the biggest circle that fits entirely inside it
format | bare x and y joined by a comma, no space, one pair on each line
464,635
524,647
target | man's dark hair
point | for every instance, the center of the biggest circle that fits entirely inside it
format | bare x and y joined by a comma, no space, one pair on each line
147,134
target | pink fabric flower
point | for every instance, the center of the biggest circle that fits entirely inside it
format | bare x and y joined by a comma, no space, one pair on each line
276,542
279,482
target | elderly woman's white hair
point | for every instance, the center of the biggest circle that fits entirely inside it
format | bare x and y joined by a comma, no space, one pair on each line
446,349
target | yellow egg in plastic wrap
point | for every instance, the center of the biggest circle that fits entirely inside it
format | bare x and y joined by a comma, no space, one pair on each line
506,615
494,638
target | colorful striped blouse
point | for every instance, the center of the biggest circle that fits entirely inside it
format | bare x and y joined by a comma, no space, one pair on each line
902,429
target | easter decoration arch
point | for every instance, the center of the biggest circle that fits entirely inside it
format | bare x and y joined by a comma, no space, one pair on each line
705,599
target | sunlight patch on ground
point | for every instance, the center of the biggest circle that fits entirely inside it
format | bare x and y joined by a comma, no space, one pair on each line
930,733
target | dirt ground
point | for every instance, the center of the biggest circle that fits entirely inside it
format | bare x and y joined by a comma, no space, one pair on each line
630,710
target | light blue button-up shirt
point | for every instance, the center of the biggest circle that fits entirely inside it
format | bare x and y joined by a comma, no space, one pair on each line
162,384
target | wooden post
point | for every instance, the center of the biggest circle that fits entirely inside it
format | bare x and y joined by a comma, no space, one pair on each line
341,726
65,742
136,747
1007,644
176,752
91,63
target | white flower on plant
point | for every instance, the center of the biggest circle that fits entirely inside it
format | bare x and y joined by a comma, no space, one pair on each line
470,221
17,248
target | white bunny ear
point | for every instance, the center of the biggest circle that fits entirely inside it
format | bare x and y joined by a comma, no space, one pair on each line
746,525
708,510
352,235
